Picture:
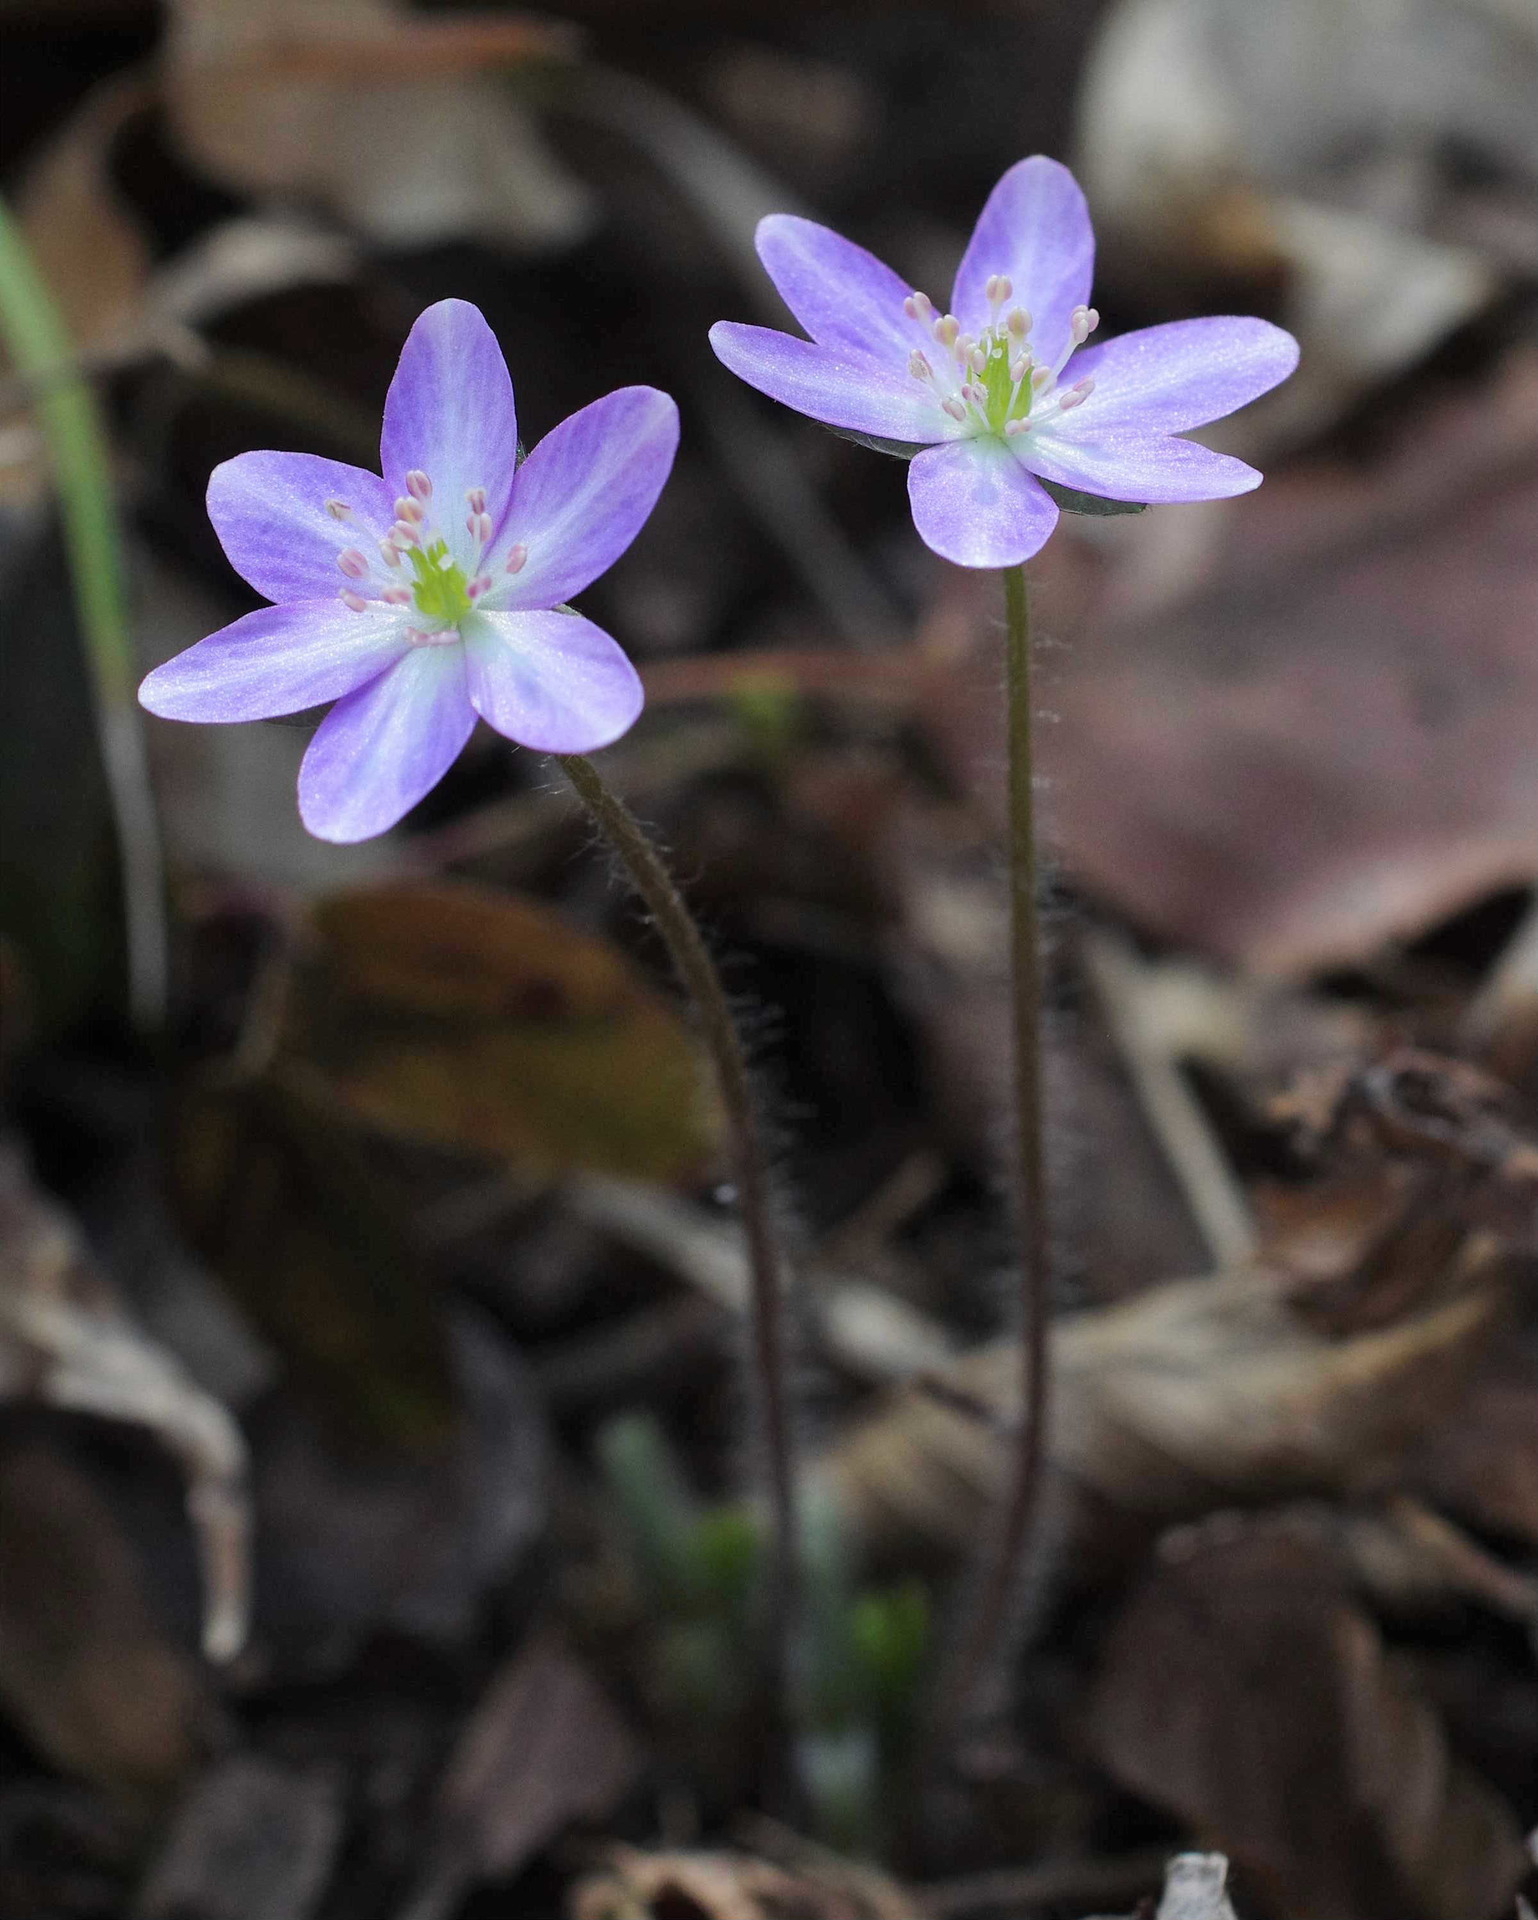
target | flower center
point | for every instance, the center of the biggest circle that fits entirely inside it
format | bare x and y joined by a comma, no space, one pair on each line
993,383
419,566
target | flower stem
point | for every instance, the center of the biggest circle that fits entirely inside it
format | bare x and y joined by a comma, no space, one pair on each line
988,1633
34,333
691,958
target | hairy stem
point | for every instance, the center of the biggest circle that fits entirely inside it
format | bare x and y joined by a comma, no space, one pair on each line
697,970
41,350
989,1630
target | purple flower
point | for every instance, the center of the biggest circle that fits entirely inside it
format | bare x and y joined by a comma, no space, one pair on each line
983,396
422,600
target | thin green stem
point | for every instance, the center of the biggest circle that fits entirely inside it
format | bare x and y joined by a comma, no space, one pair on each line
990,1624
697,970
41,350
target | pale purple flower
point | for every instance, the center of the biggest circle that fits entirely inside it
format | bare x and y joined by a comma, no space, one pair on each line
1001,393
425,599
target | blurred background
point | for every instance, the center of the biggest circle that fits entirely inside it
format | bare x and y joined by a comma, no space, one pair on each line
376,1526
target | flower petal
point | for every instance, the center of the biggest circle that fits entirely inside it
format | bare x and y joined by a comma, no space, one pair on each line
276,660
1167,379
271,515
450,413
1036,229
378,751
830,384
1121,464
846,298
551,681
583,495
974,503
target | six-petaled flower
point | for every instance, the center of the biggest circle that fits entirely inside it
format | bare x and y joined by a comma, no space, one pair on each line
1000,392
429,597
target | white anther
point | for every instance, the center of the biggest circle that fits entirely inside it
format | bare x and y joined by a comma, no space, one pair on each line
410,511
1041,379
919,367
998,289
354,600
1019,368
475,499
397,596
1084,322
339,509
517,556
391,552
404,534
954,408
1085,387
1091,318
1013,427
418,485
1018,322
1074,397
919,306
479,527
947,330
977,360
352,563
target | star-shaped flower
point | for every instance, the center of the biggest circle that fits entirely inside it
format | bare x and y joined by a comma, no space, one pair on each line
424,599
1001,393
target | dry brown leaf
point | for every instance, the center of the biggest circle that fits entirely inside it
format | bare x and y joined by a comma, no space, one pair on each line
1193,1395
1326,744
65,1340
1244,1691
733,1886
85,1670
485,1022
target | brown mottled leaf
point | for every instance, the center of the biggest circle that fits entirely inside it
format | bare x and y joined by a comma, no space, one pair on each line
476,1020
1245,1691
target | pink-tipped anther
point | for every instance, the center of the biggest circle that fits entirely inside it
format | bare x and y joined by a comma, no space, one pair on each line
354,600
353,563
339,509
418,485
517,557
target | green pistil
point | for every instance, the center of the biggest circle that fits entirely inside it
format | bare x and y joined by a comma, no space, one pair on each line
441,588
999,387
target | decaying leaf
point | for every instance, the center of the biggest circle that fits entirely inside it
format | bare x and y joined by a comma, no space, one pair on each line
1243,1690
544,1749
65,1340
85,1669
1192,1395
486,1022
732,1886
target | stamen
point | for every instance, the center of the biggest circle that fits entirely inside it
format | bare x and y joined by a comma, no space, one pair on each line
353,563
1018,321
1085,387
1074,397
1014,427
954,408
418,485
479,585
479,527
1084,322
354,600
475,499
1019,368
517,555
339,509
947,331
410,511
918,306
918,365
391,552
405,535
397,596
1041,379
998,289
977,360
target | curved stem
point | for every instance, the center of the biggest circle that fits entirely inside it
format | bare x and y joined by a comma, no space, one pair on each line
697,970
989,1628
34,332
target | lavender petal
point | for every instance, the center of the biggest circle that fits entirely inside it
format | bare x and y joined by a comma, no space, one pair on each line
273,516
846,298
1122,464
276,660
973,503
380,749
831,385
1035,229
551,681
1185,374
583,495
449,414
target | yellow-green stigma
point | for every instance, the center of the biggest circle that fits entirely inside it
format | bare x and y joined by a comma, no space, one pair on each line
441,591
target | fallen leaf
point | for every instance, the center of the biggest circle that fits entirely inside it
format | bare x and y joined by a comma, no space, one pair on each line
486,1022
733,1886
1244,1691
